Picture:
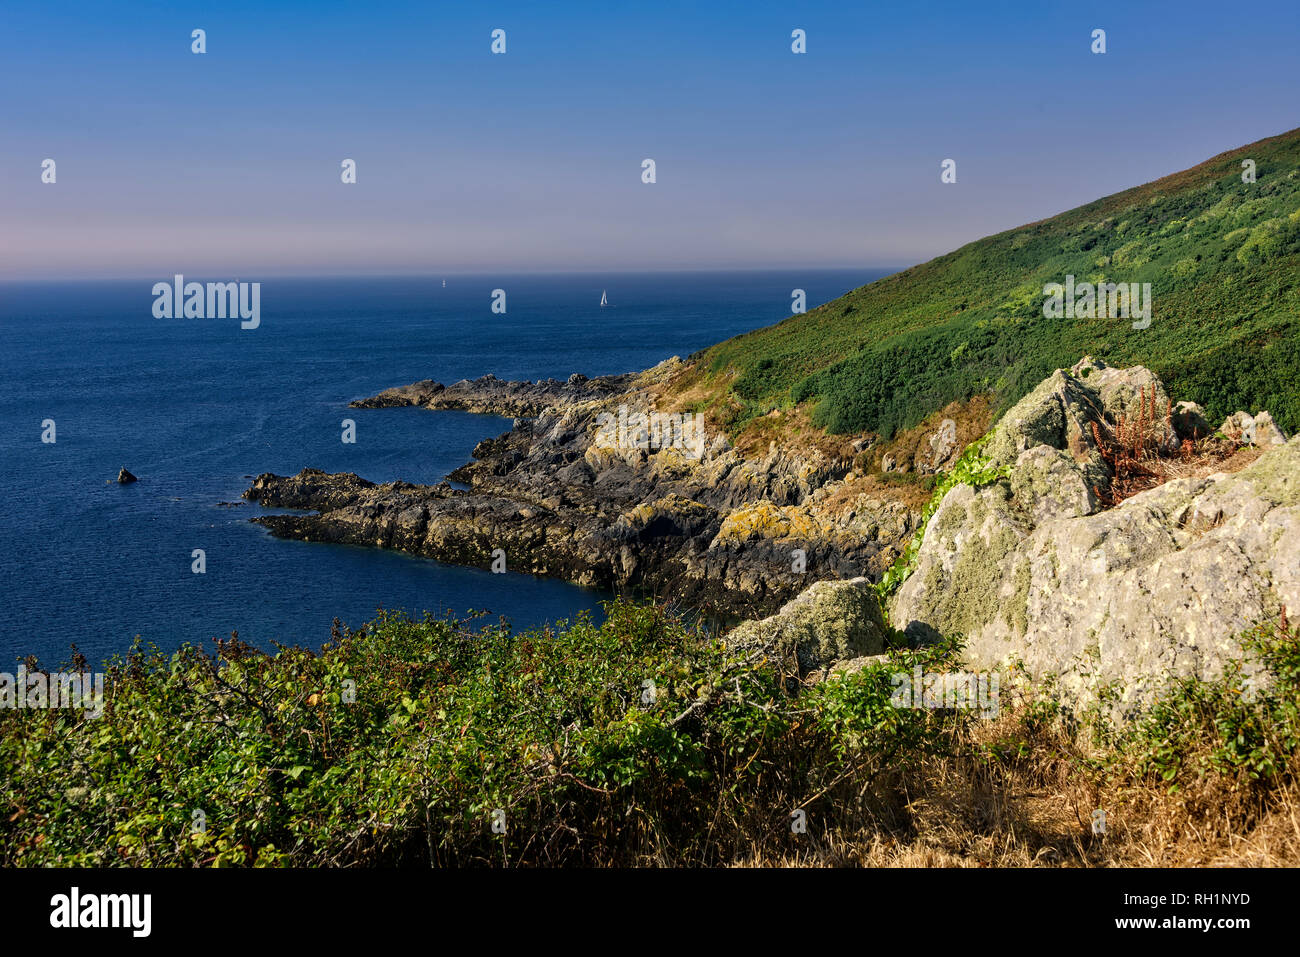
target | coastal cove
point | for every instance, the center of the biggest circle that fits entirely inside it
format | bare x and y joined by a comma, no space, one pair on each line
196,407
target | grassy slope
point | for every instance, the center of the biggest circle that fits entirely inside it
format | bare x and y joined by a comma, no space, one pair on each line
1222,258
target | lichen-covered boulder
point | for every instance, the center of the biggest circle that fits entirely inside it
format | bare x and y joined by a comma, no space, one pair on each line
1048,483
1258,429
831,621
1056,413
1070,408
1125,392
1109,605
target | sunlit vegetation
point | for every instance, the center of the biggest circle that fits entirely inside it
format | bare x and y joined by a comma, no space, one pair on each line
1222,257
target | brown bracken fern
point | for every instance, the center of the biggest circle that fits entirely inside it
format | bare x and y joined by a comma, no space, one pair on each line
1131,449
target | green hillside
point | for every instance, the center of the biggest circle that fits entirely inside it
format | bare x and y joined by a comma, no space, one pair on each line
1222,258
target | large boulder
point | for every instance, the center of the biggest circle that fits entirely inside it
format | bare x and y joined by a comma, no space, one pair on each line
1127,393
1069,408
1106,606
830,622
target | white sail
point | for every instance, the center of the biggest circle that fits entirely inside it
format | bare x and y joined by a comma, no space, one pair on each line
603,300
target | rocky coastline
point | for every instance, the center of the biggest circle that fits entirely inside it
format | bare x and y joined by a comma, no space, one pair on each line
1043,570
702,525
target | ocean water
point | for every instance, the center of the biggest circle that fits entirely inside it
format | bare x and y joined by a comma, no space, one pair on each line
195,407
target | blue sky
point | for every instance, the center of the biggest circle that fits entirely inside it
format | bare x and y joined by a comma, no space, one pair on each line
229,161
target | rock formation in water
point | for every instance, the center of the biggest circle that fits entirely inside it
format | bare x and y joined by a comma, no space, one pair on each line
637,509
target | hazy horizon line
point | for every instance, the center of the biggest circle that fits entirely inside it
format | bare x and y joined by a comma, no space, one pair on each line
425,274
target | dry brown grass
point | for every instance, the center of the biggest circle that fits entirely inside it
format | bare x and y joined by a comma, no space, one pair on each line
1137,462
907,490
973,417
1036,811
1206,457
792,432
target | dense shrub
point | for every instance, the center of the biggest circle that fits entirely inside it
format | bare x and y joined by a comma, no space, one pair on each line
1234,726
555,729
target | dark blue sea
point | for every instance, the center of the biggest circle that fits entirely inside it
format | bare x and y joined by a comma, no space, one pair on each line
195,407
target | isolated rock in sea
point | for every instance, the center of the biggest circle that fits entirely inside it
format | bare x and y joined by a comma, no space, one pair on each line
125,478
1103,605
830,622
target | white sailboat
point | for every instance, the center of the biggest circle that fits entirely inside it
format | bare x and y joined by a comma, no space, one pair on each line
603,301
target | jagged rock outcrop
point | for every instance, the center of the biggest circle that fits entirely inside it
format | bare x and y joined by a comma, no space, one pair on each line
124,477
934,452
940,449
1105,603
832,621
595,490
489,394
1069,408
310,488
1258,429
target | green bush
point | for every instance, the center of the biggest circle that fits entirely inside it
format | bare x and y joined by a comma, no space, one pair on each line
553,728
1227,726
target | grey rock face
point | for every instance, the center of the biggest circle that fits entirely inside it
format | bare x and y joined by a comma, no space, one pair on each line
1109,604
1049,484
1123,393
1068,409
1258,429
830,622
125,478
